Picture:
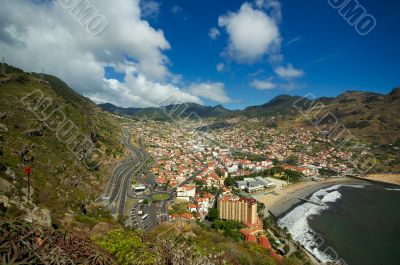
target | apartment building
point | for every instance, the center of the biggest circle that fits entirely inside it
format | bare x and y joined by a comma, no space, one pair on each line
238,209
186,192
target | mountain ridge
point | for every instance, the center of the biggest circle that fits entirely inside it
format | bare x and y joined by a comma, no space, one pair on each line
394,91
371,116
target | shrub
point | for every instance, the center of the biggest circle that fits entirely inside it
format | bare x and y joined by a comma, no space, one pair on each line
127,247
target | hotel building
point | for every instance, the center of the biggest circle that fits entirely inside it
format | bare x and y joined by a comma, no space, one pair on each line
238,209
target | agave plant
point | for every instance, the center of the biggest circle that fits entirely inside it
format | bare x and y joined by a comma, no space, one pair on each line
23,243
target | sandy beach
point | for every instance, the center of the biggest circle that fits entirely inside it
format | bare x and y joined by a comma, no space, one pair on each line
387,178
280,201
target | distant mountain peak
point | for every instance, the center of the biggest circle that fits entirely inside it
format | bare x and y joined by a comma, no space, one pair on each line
395,93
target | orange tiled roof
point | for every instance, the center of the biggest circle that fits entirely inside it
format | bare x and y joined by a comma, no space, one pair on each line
187,216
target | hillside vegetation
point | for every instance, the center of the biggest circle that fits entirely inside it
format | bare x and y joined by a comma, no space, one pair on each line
184,243
69,143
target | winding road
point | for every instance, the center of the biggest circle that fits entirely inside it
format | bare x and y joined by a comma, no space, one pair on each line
119,186
119,189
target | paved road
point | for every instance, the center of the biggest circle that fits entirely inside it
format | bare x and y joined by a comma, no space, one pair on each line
119,186
157,212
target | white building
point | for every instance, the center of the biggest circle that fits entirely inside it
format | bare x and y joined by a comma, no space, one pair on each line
186,192
233,169
254,184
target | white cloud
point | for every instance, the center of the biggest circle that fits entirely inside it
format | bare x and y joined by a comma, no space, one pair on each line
176,9
263,84
44,35
214,33
150,8
137,90
273,7
259,3
288,72
220,67
212,91
252,33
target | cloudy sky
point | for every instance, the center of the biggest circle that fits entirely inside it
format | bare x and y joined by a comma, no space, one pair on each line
144,53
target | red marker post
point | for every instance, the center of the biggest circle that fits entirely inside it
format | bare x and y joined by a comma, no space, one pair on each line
28,171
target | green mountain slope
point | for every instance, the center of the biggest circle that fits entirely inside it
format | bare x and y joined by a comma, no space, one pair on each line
69,143
280,105
170,112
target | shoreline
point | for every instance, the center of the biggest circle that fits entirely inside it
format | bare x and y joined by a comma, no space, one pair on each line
278,203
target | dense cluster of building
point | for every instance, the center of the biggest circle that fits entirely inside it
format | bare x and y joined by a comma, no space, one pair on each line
186,159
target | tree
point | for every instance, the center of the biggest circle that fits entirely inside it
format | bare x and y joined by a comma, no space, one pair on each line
213,214
292,160
229,181
286,248
230,229
218,172
275,161
294,176
199,183
260,207
166,185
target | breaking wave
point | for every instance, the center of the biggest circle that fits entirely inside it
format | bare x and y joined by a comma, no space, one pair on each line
296,221
391,189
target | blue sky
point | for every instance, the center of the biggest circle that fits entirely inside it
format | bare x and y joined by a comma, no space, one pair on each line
316,39
154,52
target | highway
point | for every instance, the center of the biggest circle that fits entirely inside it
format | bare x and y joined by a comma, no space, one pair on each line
119,186
119,189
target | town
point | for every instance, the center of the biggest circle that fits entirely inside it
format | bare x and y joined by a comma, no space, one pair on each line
223,172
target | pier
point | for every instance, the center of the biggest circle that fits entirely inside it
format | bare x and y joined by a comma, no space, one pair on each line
306,200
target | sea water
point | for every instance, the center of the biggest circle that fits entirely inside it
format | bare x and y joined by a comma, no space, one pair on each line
353,224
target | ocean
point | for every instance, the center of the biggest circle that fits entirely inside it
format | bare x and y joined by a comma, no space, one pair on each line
354,225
